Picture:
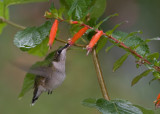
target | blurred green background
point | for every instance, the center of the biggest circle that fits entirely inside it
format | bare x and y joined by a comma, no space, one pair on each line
81,81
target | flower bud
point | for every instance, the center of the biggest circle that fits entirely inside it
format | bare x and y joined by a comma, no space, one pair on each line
73,22
53,32
77,35
94,40
157,101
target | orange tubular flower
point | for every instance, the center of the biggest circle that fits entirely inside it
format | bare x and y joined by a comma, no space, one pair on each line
77,35
73,22
157,101
53,32
94,40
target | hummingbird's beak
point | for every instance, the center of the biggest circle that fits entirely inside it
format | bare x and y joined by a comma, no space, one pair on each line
57,55
66,46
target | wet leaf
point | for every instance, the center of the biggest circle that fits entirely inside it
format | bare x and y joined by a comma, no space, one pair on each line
31,39
115,106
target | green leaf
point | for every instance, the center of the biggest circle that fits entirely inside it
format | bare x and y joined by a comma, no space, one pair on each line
137,78
41,49
153,56
54,13
28,82
98,8
3,14
105,20
90,102
101,43
4,8
133,41
11,2
120,61
31,37
60,12
115,27
115,106
145,111
2,25
148,40
78,9
157,63
52,7
109,48
156,74
25,39
130,35
73,7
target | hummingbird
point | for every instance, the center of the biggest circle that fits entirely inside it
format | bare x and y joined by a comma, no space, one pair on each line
49,78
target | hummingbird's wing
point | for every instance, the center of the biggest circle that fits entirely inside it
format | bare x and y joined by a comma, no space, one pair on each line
42,71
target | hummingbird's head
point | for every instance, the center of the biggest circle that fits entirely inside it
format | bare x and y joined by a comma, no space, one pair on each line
60,54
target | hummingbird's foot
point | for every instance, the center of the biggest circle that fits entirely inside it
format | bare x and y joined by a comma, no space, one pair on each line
49,92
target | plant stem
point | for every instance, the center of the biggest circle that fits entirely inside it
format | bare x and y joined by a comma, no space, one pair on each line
3,20
99,75
63,41
126,47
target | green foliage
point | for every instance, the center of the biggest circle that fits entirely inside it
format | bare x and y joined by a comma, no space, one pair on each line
153,58
109,48
137,78
11,2
156,75
98,25
120,61
133,41
98,7
101,43
28,82
145,111
89,102
86,11
3,13
41,49
115,106
4,10
78,9
60,12
152,39
109,32
54,13
2,26
33,39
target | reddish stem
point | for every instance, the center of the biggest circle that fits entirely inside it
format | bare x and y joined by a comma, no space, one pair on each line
123,45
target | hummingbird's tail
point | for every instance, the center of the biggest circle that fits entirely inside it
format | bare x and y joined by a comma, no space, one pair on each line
37,92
